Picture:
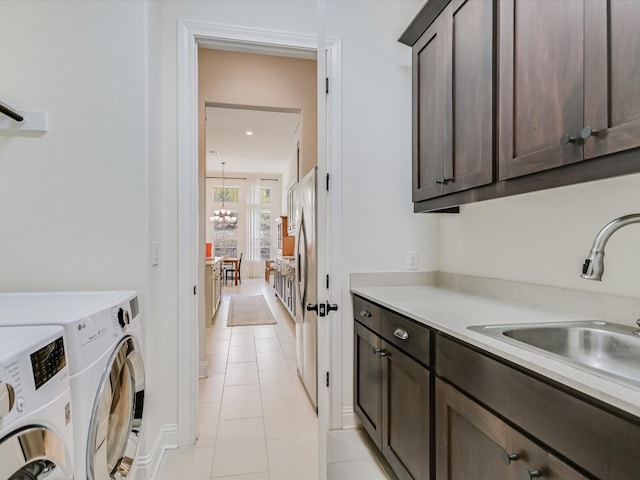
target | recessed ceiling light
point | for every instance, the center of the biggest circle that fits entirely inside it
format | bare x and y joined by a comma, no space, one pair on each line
249,132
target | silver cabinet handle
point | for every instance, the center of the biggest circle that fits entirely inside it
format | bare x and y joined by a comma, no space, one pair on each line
365,313
530,474
401,334
380,352
507,458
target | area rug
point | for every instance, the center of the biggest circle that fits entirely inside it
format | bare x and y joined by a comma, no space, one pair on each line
249,310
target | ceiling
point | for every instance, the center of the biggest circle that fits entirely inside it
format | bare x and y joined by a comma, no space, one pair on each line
269,150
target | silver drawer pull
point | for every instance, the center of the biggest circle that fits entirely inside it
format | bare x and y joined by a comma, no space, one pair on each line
401,334
365,313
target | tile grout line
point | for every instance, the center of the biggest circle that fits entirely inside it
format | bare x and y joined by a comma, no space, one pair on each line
264,426
224,379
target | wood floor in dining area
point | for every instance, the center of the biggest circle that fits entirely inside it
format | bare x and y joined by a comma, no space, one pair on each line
255,420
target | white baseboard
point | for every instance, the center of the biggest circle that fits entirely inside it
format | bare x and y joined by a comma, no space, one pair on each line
349,419
202,369
146,466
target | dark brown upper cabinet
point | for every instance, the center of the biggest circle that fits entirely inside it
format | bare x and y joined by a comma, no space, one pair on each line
569,82
453,101
514,96
612,77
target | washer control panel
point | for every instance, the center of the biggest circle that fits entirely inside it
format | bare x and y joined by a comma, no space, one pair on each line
33,369
47,361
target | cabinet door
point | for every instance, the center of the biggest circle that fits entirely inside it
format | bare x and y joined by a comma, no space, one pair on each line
428,112
468,130
405,414
367,381
208,288
612,76
541,84
470,442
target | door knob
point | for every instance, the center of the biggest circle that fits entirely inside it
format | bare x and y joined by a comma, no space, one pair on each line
332,308
587,132
312,307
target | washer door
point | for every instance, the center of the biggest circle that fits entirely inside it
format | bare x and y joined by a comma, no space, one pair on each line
34,453
117,414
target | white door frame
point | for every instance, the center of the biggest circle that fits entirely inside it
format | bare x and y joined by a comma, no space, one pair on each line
190,36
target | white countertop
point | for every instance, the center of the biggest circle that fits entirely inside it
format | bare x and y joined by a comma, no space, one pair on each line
212,260
452,312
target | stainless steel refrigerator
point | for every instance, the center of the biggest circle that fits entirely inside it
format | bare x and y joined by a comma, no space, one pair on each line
307,291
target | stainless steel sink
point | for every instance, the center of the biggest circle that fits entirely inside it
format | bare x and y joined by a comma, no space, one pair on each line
610,350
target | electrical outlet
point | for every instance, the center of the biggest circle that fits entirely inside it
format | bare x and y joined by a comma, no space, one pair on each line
412,260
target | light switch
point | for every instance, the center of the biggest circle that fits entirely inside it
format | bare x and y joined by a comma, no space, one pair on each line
155,253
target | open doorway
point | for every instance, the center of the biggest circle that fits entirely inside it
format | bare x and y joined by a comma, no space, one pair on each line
251,165
254,154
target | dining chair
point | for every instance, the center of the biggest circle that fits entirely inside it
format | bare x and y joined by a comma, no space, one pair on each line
230,271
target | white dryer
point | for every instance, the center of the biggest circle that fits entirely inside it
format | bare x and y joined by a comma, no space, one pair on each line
36,431
106,371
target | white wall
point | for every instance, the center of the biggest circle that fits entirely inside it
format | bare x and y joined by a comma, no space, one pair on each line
73,201
544,237
379,224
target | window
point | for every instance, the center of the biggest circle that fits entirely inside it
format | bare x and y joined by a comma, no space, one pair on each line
265,196
225,238
265,233
226,194
225,228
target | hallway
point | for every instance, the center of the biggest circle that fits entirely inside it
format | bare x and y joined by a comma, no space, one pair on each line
256,422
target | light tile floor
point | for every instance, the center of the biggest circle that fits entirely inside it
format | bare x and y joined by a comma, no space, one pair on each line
256,422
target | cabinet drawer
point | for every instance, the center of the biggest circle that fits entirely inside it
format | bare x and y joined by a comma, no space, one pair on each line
407,335
367,313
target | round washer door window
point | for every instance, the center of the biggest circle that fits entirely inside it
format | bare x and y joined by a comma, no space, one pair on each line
32,454
117,414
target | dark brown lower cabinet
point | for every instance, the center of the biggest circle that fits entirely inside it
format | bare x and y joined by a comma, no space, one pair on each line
472,443
367,384
392,393
405,414
439,408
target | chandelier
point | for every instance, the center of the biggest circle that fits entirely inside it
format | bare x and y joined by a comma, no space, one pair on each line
223,215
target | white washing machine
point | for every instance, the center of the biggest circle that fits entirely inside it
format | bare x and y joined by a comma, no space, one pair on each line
36,430
107,378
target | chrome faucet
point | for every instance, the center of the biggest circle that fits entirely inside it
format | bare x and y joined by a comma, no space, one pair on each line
593,266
